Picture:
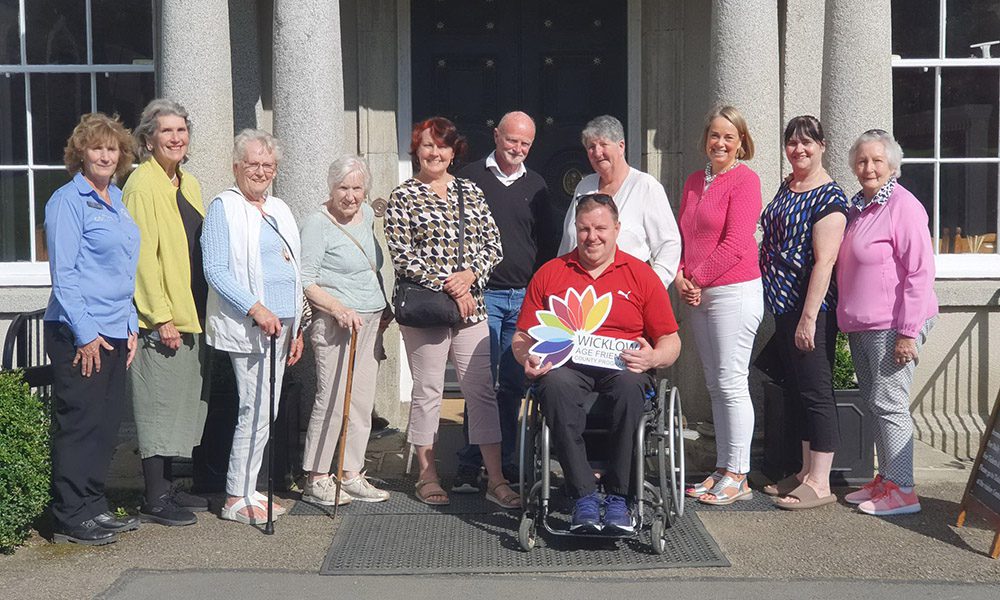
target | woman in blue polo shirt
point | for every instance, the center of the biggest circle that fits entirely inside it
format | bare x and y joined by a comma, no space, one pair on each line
90,326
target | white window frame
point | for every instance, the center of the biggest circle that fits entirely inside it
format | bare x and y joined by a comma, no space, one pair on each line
953,266
33,272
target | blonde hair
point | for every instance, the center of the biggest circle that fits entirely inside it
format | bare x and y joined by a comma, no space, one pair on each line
94,129
731,114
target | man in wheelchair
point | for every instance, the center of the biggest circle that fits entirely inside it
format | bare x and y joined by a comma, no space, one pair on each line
596,320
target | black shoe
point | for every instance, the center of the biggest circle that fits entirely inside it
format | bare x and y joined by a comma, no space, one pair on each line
164,511
379,423
88,533
466,481
113,523
191,502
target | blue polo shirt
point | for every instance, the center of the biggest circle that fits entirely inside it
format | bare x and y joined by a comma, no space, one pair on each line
93,249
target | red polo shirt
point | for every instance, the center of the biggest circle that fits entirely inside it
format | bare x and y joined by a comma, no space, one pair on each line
639,306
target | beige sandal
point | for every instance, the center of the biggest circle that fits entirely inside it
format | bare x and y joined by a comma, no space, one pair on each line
508,501
427,498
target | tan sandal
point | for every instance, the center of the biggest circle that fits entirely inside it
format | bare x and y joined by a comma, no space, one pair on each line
508,501
427,498
782,487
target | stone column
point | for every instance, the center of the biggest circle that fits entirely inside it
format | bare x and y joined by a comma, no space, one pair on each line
308,98
195,71
857,79
744,73
801,51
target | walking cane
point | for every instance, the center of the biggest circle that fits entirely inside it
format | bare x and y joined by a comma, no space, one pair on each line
343,422
269,528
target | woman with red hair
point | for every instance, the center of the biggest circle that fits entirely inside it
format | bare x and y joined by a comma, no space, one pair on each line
443,239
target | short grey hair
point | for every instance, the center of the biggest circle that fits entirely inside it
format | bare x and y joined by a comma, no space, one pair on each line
344,166
603,127
149,121
893,151
243,139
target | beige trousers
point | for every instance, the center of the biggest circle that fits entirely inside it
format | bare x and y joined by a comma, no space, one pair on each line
427,351
331,344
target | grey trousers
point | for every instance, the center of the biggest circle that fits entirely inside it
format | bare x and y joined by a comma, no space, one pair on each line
885,386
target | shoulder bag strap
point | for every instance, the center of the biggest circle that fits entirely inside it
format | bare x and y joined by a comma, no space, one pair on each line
371,263
461,225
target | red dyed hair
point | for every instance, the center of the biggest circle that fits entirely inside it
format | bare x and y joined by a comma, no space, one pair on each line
443,132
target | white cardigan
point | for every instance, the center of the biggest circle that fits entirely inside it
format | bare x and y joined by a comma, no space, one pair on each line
226,328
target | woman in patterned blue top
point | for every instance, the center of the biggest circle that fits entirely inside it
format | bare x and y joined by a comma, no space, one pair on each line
803,227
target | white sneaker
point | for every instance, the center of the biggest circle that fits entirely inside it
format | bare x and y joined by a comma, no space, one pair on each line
362,490
324,491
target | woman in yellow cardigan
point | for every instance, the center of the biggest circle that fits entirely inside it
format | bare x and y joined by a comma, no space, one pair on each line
166,380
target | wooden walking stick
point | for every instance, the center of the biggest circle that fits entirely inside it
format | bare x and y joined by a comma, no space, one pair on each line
269,528
343,422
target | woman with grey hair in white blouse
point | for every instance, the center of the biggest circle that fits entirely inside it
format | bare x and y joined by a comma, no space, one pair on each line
340,262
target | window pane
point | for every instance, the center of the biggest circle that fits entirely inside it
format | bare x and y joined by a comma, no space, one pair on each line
919,180
56,32
913,111
969,111
915,26
57,102
971,22
125,94
14,242
10,43
13,124
969,206
46,182
123,31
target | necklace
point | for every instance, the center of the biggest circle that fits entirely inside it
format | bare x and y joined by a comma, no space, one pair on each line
710,177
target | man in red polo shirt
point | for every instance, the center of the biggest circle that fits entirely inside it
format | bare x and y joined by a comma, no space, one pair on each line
595,320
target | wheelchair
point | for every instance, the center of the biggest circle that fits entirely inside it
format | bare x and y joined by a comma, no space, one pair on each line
659,445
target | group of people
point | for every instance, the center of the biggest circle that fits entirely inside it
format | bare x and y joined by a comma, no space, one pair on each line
145,278
862,265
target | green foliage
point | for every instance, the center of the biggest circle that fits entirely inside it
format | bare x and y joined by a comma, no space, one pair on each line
24,459
844,377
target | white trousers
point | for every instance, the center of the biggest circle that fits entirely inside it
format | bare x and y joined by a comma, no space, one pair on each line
253,372
725,325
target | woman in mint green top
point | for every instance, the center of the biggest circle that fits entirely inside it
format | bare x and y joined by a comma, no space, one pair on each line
340,259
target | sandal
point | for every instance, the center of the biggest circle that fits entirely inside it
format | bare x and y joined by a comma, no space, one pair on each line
278,509
704,487
232,513
508,501
782,487
428,498
807,499
719,497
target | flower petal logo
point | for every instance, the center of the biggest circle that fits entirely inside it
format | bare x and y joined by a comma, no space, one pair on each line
575,313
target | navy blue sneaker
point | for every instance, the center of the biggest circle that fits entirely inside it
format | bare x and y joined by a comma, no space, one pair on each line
617,516
587,514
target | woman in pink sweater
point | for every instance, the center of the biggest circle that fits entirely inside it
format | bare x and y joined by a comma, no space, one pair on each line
885,274
720,279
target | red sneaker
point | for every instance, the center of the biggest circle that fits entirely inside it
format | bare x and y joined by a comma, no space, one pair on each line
867,491
891,501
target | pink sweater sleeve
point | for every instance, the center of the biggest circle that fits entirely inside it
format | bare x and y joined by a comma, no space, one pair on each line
914,255
742,213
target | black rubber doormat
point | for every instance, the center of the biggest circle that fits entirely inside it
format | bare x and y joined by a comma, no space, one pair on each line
412,544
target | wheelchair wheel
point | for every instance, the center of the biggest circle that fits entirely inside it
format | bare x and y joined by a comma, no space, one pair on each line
657,532
528,445
675,435
526,535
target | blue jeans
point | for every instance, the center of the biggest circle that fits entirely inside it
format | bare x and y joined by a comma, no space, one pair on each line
502,308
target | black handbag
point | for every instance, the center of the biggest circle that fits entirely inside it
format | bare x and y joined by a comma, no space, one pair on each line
416,305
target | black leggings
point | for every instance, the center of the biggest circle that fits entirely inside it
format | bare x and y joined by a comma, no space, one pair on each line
809,380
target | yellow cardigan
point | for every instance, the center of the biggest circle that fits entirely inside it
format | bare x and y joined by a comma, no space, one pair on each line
163,278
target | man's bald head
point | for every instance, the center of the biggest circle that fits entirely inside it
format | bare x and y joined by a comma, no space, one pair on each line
513,137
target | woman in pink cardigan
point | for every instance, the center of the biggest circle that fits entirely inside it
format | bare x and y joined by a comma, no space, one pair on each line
885,274
720,279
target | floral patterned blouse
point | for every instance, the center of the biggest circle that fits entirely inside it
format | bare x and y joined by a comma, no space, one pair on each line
421,231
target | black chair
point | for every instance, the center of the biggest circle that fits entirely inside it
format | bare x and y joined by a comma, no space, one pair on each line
24,348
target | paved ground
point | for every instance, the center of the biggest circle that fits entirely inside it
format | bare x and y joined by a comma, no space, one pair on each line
828,553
